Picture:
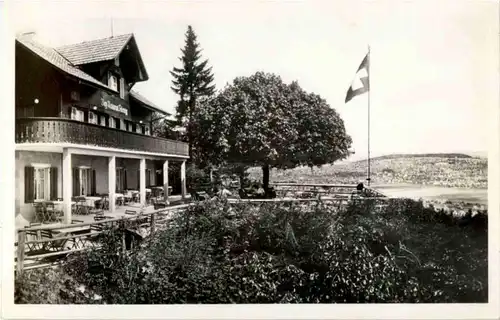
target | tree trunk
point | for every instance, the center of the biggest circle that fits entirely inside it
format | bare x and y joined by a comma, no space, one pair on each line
242,180
265,177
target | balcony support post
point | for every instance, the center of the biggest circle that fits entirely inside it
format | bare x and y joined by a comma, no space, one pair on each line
67,180
142,181
165,181
112,183
183,179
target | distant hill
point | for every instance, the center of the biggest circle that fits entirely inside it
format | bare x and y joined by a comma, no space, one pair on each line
421,155
459,170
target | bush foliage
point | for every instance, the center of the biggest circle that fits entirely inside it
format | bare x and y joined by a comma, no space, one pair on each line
217,252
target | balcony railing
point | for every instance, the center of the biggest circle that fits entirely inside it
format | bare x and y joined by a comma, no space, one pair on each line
60,130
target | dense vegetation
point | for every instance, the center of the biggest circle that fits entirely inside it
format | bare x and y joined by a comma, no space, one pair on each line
275,253
437,171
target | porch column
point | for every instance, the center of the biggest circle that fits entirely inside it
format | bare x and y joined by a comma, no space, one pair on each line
67,181
183,179
165,180
142,181
112,182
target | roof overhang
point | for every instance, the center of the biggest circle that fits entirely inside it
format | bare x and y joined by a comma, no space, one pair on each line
94,84
146,104
132,50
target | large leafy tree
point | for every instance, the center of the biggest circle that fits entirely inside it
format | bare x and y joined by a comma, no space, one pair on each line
194,79
262,121
164,127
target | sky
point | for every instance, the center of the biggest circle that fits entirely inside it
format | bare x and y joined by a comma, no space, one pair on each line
434,64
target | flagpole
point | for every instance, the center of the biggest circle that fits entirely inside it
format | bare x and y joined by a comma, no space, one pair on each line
369,93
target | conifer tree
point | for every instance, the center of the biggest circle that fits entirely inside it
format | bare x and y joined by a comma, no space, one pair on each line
192,81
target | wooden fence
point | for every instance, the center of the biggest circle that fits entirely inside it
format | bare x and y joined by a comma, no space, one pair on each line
336,190
57,241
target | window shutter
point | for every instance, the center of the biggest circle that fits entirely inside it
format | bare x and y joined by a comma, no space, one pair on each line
53,183
122,88
138,179
93,190
29,184
76,182
117,186
125,179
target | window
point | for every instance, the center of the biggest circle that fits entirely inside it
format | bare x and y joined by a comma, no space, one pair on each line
76,114
148,177
146,130
122,88
102,121
113,82
138,128
84,181
40,183
121,179
92,117
112,122
123,124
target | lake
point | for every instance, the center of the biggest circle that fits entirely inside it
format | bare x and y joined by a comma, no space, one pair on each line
479,196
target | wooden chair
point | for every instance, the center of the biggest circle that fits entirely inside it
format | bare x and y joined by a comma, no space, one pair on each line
81,206
158,205
136,197
142,221
98,214
51,214
35,234
39,212
102,203
120,201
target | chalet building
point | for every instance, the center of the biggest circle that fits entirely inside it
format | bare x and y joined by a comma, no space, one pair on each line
81,130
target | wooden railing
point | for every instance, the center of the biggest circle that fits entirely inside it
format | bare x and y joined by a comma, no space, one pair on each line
39,249
338,195
60,130
337,190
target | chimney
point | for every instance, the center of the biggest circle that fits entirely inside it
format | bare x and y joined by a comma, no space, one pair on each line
30,35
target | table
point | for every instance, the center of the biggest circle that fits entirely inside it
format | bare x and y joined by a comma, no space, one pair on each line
72,230
159,189
91,201
137,191
58,205
47,215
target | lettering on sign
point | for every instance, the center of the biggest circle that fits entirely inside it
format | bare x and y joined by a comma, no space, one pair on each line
114,107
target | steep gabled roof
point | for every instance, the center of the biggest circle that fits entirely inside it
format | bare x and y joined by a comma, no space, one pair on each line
135,95
63,63
57,60
95,50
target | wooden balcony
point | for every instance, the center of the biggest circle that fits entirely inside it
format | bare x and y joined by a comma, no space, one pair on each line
60,130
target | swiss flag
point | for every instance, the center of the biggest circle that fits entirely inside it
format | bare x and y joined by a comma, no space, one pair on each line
361,82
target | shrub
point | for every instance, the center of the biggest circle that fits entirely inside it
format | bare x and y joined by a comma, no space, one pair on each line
217,252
